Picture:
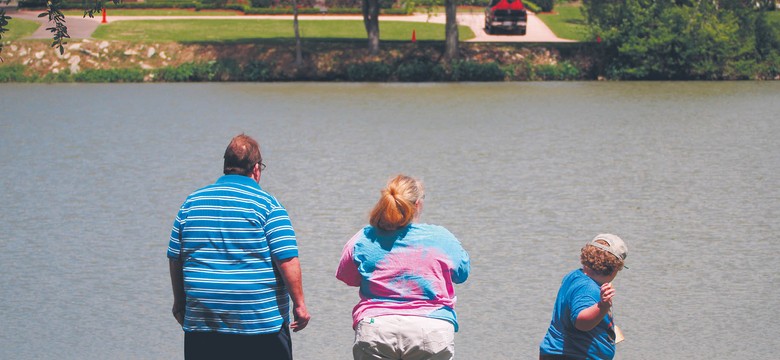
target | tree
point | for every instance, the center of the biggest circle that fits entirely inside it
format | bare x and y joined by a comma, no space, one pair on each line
371,22
3,23
680,39
298,55
451,30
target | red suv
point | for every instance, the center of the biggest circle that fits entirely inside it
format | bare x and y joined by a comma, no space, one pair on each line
507,15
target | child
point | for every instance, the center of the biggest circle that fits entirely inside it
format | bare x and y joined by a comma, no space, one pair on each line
582,325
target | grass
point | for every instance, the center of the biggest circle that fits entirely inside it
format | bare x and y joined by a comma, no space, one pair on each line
20,28
194,30
566,21
156,12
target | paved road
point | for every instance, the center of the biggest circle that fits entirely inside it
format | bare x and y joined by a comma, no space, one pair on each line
82,28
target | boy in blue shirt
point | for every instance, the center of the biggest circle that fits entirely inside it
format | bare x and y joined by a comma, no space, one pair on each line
582,326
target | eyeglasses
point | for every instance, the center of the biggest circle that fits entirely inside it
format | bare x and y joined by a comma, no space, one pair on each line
262,166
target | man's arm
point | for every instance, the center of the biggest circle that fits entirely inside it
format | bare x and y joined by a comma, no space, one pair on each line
291,273
177,283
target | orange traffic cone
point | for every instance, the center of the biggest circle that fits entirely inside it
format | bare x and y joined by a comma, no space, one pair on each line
414,35
104,16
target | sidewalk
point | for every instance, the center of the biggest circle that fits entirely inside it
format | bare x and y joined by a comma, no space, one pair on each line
82,28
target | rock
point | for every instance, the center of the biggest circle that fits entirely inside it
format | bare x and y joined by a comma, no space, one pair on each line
103,45
150,52
163,56
131,52
14,48
74,46
90,53
74,64
146,67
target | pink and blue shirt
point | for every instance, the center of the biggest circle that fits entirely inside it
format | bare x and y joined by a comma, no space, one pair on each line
409,271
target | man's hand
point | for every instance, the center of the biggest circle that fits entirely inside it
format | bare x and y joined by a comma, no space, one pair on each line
301,318
607,293
178,312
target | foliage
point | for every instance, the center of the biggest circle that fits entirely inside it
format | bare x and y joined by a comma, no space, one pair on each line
13,73
474,71
109,75
3,23
194,72
416,70
666,39
542,5
369,71
560,71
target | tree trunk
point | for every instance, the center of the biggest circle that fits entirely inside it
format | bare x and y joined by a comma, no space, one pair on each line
371,21
298,55
451,33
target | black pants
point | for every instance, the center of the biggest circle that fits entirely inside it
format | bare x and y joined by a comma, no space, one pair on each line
212,345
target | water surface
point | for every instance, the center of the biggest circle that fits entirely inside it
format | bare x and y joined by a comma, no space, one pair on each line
522,173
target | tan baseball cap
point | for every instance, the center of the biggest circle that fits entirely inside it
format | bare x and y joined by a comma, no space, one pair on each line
616,246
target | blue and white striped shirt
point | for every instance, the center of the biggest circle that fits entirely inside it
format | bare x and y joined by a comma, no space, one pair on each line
227,236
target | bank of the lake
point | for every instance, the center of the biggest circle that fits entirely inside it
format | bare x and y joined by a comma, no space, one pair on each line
117,61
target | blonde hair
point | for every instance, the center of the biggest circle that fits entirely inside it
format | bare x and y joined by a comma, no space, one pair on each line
397,206
600,261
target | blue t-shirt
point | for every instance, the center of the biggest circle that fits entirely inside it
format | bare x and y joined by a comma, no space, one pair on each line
577,292
227,236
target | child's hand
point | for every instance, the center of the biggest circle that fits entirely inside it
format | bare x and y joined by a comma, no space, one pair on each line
607,292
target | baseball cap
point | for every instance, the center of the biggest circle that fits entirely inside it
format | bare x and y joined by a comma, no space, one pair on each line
616,246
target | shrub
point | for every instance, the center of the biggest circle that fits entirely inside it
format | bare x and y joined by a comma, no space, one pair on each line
473,71
109,75
257,71
187,72
542,5
561,71
12,73
369,71
415,71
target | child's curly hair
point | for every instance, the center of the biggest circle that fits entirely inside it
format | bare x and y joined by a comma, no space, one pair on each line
600,261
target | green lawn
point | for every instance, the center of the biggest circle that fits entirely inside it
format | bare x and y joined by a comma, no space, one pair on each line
566,21
156,12
20,28
194,30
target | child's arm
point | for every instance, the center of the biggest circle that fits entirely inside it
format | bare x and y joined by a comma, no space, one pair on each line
592,316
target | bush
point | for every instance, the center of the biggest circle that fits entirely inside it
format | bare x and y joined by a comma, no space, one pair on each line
109,75
187,72
415,71
473,71
13,73
257,71
561,71
369,71
543,5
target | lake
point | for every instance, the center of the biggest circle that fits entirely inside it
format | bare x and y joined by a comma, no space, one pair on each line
524,174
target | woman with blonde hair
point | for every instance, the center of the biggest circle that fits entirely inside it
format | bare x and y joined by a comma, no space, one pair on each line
405,271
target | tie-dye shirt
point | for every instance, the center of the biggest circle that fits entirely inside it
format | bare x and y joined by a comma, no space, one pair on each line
409,271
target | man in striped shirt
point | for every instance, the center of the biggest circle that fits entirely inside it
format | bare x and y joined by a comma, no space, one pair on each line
234,266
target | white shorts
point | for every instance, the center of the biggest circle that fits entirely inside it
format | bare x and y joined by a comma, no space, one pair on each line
404,337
